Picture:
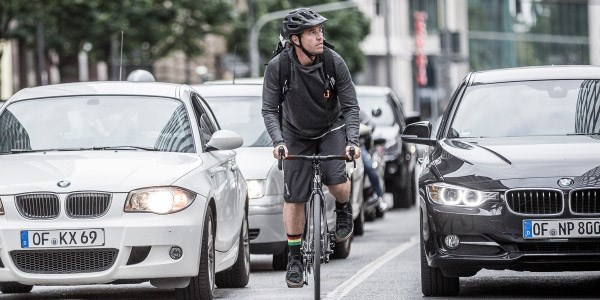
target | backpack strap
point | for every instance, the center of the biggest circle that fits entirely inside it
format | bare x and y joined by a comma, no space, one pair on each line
329,71
284,80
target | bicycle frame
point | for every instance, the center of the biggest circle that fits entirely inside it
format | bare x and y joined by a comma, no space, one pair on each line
315,247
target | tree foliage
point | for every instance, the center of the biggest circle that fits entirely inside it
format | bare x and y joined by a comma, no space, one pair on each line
345,29
152,28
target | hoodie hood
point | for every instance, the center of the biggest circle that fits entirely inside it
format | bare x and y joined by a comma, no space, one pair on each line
110,171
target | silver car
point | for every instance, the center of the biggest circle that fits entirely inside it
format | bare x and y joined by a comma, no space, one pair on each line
238,107
120,182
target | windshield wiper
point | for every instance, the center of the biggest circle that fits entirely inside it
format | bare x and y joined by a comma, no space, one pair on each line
583,133
18,150
123,148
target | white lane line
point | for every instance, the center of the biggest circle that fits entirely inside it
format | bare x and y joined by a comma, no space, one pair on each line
364,273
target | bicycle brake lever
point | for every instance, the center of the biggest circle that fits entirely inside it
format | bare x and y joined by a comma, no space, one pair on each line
281,155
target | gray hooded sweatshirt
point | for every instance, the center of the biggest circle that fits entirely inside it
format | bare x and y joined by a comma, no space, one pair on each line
306,112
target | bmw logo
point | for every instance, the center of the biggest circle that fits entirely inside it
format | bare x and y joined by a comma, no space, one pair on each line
565,182
63,183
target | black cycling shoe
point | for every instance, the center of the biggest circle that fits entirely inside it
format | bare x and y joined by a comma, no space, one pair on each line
295,272
344,224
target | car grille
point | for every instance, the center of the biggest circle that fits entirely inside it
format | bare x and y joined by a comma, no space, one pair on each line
253,233
87,205
66,261
38,206
585,201
535,202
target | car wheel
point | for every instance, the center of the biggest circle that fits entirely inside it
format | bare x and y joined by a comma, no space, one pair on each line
239,274
433,282
359,223
202,285
342,249
280,260
15,288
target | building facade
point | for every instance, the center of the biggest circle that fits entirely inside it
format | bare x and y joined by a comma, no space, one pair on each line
473,35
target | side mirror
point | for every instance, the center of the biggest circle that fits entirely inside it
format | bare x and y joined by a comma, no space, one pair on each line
418,133
224,140
412,117
376,111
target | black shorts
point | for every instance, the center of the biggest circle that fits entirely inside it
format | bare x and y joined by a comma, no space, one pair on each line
298,174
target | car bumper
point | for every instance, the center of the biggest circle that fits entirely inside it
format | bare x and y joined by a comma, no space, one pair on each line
267,231
128,236
493,239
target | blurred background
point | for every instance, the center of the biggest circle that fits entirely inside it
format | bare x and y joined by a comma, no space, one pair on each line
420,48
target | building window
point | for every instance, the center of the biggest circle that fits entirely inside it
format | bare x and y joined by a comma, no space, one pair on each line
516,33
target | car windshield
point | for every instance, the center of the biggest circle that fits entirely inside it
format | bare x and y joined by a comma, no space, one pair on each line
96,122
242,115
370,104
528,108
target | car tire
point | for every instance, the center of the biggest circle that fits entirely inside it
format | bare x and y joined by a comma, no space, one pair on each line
202,285
15,288
342,249
280,260
433,281
239,274
359,223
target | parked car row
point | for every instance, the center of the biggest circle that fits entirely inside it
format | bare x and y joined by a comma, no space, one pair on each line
126,182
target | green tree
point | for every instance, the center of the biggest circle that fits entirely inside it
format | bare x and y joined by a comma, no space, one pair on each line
345,29
152,28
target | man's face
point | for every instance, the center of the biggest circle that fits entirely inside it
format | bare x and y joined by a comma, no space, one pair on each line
312,39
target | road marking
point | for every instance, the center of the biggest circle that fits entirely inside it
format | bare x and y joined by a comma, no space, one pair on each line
364,273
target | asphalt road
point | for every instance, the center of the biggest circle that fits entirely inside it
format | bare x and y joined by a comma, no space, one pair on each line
383,264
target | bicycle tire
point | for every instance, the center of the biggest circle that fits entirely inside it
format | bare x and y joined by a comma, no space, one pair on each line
317,247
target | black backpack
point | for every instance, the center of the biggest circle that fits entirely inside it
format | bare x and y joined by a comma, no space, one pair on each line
285,65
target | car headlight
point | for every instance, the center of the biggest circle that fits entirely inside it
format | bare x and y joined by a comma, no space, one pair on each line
256,188
159,200
447,194
1,207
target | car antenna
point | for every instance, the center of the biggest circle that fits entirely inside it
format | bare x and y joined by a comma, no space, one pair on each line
234,59
121,63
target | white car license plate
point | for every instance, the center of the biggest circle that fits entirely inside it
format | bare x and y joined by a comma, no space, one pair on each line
566,228
62,238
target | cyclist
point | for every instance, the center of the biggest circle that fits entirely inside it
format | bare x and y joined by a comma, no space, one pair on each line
319,116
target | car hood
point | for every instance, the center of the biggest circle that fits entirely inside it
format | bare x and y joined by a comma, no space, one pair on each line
472,160
255,162
111,171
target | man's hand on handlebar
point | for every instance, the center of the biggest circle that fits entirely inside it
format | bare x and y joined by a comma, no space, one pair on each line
276,151
356,152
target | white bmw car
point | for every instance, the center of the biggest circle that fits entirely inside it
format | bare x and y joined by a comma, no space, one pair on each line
238,107
106,182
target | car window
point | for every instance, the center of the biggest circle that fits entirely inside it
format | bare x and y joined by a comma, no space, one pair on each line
242,115
99,121
528,108
205,124
370,103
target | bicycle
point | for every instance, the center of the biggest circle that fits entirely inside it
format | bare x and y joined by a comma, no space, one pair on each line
315,248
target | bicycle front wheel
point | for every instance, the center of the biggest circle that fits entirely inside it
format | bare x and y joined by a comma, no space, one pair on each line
317,247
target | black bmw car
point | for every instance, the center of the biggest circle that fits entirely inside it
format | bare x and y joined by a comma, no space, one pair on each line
511,180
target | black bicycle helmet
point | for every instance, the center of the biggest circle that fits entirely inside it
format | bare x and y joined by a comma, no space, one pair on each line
300,19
